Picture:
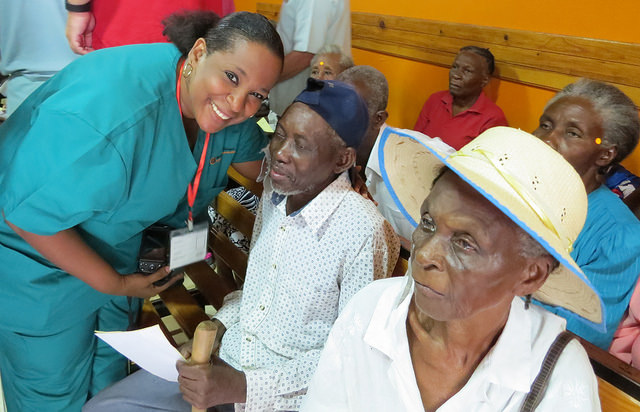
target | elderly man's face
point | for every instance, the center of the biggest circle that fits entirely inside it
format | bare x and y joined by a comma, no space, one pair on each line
465,258
468,75
302,158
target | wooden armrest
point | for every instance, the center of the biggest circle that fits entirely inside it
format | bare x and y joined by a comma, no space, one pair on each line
184,308
612,399
610,362
210,284
622,376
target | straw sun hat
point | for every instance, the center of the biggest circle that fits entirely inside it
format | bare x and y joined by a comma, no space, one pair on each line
525,178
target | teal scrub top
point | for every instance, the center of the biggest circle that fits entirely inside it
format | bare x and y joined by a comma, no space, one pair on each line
100,147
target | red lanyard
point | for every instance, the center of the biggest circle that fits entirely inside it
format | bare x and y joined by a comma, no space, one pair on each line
192,189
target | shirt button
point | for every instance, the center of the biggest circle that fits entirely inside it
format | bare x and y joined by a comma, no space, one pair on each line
282,228
248,338
274,265
261,307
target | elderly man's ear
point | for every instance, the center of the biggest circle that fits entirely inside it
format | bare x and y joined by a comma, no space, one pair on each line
536,273
345,158
380,117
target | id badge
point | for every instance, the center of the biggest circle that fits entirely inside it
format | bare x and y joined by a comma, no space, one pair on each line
188,246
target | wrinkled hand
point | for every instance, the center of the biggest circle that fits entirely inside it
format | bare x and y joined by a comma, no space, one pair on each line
79,31
207,385
186,349
141,285
358,184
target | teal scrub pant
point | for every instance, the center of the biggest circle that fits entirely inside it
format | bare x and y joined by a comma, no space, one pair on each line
59,371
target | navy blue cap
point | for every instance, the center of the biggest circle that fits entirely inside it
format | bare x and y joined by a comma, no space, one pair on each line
340,105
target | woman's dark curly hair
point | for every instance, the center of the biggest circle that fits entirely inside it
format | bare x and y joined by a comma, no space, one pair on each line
184,28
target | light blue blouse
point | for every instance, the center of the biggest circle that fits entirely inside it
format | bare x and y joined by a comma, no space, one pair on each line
608,252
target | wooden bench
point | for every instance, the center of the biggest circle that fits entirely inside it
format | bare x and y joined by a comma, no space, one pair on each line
212,284
618,382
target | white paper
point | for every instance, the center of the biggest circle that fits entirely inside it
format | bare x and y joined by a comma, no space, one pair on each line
148,348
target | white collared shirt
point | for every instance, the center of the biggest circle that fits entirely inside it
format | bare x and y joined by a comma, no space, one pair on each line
303,268
386,205
307,26
366,365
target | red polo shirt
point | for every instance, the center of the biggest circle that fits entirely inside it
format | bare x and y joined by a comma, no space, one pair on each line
120,22
436,119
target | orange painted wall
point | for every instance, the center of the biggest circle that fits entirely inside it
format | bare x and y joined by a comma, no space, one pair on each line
410,82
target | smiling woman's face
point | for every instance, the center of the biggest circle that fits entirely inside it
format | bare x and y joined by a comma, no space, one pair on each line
226,88
465,257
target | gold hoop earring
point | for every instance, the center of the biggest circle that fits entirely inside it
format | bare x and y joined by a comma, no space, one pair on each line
188,69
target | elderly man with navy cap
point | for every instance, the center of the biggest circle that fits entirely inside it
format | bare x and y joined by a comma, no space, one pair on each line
316,242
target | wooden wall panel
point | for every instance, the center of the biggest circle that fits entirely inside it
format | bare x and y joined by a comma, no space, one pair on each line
543,60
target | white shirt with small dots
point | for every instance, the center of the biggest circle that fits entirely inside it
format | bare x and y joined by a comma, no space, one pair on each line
302,270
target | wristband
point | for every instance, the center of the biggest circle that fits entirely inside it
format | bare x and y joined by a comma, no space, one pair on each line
77,8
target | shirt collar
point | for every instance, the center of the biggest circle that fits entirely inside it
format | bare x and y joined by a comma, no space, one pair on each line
387,333
318,210
387,329
512,348
479,106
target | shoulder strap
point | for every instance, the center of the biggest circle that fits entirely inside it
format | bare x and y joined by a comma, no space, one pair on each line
539,385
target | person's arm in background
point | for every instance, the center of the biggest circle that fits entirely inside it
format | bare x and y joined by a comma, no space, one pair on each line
80,25
309,26
294,63
68,251
250,170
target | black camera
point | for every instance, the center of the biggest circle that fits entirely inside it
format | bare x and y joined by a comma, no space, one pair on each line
154,251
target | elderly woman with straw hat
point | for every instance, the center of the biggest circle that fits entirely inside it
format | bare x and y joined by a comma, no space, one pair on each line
495,225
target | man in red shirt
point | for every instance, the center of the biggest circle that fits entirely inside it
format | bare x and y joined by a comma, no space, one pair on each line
461,113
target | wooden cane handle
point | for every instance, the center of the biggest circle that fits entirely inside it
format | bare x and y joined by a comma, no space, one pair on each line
203,340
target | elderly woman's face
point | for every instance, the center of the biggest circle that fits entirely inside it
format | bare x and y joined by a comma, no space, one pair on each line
571,126
465,257
326,67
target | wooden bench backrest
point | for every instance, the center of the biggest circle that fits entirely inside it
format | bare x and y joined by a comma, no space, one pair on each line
549,61
612,399
211,285
618,382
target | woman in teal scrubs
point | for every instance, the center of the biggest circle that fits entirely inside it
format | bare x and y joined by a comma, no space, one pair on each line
94,156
